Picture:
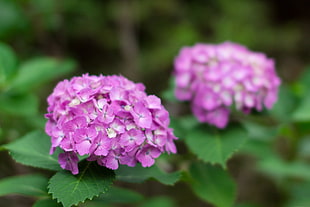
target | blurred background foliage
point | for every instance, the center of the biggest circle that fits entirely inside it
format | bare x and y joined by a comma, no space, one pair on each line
139,39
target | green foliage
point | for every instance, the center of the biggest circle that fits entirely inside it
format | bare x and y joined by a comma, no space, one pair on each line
24,104
286,104
158,201
213,184
33,150
299,195
183,125
90,182
118,195
40,70
139,174
30,185
46,203
217,147
281,169
259,131
8,63
258,148
302,113
12,19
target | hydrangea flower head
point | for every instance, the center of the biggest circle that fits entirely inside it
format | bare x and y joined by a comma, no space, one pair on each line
214,77
109,119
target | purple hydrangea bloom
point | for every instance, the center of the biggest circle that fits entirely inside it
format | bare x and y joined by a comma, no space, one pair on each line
214,77
109,119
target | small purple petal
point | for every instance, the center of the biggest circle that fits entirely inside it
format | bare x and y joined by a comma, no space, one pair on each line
69,161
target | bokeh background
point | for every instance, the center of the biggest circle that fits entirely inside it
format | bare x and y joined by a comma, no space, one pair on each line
139,39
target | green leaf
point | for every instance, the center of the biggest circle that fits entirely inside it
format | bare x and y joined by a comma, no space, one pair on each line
71,189
168,94
46,203
304,147
182,125
259,132
213,184
217,147
301,86
158,201
139,174
280,169
286,104
299,195
119,195
30,185
13,20
22,105
260,149
40,70
8,63
302,113
33,150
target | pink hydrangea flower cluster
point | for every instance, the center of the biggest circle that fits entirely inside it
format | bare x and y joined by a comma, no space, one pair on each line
214,77
109,119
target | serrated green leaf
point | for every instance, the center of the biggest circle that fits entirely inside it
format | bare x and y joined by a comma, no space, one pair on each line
8,63
90,182
215,147
21,105
213,184
139,174
118,195
46,203
40,70
33,150
30,185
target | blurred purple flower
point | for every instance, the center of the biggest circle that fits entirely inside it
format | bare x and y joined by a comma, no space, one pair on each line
214,77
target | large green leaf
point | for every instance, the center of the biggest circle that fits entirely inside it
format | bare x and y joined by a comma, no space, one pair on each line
31,185
37,71
215,147
212,184
33,150
7,63
139,174
71,189
22,104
